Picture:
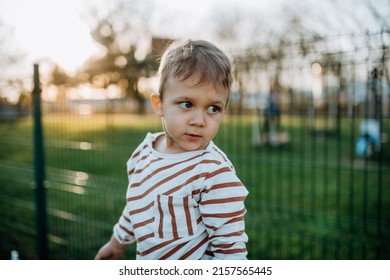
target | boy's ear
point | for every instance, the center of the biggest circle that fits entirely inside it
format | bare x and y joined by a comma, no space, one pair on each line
157,104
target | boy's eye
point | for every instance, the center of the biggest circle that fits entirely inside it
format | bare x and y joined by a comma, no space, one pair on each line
185,105
213,109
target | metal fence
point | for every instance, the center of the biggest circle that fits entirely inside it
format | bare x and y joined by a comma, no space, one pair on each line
313,152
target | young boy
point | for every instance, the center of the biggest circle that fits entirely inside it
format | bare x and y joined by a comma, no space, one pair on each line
184,200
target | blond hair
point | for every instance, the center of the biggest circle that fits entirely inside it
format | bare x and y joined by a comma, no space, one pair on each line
198,57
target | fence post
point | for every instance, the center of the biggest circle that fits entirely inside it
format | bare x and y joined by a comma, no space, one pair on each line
39,170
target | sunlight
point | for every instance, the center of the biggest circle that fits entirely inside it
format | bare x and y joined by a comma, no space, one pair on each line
51,30
86,91
72,46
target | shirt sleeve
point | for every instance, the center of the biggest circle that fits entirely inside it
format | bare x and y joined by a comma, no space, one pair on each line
123,229
222,209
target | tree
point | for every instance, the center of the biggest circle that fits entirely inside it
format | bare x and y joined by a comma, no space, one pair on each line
119,64
11,58
60,78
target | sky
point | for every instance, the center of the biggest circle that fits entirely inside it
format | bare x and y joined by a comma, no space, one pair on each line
49,30
56,30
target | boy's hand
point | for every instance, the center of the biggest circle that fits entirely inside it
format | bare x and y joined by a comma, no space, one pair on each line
112,250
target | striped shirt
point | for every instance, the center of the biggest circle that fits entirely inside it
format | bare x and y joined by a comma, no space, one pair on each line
183,206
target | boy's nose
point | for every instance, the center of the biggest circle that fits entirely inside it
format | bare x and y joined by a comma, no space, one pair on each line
197,118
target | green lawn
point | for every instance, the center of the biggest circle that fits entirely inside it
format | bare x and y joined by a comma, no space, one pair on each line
310,199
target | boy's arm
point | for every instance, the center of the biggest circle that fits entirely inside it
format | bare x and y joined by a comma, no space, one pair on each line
123,230
222,208
112,250
122,236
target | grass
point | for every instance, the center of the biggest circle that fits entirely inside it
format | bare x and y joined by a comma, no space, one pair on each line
310,199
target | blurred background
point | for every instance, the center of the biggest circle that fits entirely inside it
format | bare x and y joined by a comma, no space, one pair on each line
307,126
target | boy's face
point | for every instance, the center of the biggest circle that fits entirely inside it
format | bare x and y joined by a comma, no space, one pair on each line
191,114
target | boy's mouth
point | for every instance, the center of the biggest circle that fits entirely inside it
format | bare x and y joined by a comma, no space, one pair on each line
193,136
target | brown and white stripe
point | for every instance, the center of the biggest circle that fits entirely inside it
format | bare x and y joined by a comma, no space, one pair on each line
184,206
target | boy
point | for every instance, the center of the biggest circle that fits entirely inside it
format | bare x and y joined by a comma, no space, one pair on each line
184,200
